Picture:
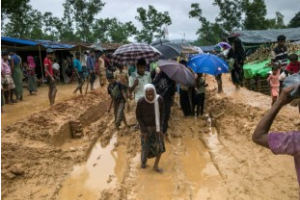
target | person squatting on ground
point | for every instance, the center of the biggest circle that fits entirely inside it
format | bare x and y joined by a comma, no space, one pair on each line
7,81
50,76
118,96
273,80
150,115
79,72
200,93
91,61
17,74
280,143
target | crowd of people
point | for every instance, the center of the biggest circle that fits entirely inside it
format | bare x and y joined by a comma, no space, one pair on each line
153,92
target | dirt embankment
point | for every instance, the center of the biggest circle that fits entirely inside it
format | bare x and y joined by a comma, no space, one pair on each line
34,160
212,158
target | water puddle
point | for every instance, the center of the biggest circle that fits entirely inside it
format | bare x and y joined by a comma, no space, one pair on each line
102,171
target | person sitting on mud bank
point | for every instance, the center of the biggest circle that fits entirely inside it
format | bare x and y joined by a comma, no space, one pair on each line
150,115
118,96
279,143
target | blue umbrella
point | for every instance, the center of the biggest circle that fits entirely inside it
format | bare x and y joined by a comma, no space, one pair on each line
208,64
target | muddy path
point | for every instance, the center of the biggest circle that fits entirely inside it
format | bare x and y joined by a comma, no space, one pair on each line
211,158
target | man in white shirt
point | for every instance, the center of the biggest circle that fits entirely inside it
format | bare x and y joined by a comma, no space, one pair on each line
139,79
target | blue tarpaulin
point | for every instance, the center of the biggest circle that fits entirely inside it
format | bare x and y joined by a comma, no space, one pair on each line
18,41
44,43
54,45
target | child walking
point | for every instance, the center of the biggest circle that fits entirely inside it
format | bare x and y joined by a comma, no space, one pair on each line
118,98
273,80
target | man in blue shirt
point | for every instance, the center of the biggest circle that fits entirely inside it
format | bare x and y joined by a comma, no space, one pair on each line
91,60
78,69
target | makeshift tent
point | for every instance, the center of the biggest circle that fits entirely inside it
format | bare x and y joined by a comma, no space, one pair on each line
267,36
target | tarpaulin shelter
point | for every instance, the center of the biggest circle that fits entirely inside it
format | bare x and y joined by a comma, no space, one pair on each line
267,36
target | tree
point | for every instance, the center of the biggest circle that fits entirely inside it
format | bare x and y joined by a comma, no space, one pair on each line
26,24
295,21
209,33
9,7
67,31
83,12
255,15
52,27
229,18
152,22
112,30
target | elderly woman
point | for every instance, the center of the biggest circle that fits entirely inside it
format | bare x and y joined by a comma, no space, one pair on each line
150,115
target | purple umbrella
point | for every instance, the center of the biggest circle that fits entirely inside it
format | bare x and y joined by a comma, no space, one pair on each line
177,72
224,45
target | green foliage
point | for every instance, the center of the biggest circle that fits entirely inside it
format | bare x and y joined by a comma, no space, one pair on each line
112,30
83,12
26,24
152,22
295,21
209,33
255,15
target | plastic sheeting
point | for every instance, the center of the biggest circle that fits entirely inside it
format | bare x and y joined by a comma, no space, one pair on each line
266,36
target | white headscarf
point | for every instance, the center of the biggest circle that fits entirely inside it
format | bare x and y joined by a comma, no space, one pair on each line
156,105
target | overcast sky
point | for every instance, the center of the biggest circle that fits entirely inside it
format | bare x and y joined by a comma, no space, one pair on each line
125,10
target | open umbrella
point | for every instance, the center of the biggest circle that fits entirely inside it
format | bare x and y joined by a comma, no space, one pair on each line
177,72
160,41
169,50
224,45
130,53
208,64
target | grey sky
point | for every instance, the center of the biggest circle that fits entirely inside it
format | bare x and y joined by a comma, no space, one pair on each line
125,10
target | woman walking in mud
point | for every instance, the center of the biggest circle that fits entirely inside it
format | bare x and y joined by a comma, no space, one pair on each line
150,115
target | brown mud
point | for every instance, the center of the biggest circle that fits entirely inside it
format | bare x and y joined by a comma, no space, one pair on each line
210,158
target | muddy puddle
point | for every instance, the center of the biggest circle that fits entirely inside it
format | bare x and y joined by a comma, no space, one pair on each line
209,158
188,171
102,171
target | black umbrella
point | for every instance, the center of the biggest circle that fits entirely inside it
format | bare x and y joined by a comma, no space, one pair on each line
169,50
160,41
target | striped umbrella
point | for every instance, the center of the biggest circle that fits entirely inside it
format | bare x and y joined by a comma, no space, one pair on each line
130,53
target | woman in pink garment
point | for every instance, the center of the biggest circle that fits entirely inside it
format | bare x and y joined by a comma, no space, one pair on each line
273,80
32,86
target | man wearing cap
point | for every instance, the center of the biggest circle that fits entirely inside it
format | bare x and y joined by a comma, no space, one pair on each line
49,75
78,69
91,60
7,81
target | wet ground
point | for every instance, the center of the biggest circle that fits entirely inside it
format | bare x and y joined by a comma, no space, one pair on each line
209,158
36,103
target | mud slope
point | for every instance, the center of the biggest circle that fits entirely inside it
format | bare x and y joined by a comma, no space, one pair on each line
37,153
212,158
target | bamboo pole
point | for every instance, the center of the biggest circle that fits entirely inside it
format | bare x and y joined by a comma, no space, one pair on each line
41,63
